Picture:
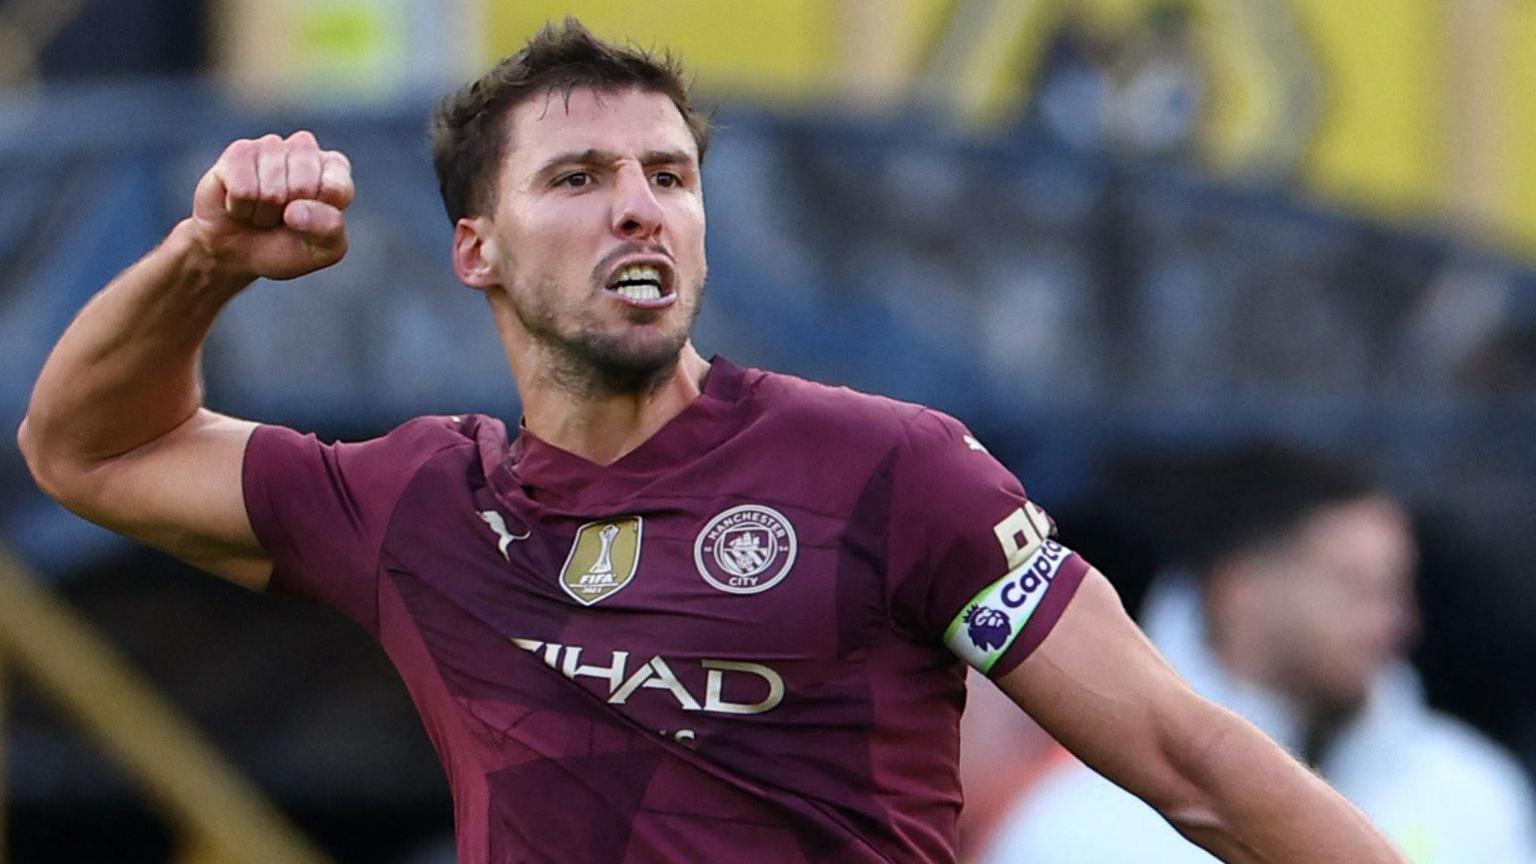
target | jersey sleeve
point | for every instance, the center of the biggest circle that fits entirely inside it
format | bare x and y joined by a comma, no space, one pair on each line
975,563
321,510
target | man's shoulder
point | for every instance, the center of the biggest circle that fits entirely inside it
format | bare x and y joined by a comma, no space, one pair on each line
868,418
451,438
435,431
1074,814
1453,750
400,452
1446,783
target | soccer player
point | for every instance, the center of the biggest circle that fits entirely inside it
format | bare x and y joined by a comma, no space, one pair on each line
687,611
1298,617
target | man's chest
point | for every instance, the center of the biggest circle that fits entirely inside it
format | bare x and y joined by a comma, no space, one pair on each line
724,604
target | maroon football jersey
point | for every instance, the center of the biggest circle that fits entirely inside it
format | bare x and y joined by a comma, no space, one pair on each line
743,641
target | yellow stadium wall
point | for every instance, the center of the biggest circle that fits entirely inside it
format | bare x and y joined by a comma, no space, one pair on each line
1382,127
1388,128
1517,145
778,50
1380,142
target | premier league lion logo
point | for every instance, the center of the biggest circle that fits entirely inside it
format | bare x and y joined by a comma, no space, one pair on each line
988,628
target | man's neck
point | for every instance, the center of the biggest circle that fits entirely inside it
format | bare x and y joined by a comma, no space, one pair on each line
1244,655
1322,729
603,427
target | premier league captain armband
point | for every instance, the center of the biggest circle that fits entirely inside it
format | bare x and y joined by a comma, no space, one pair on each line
987,625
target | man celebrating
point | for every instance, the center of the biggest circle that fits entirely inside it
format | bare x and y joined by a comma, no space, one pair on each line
690,611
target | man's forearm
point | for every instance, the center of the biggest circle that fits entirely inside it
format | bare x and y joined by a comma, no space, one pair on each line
125,371
1098,685
1266,808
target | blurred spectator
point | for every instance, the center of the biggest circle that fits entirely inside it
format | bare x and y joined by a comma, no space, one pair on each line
1160,87
1071,98
1299,620
1139,95
1504,364
1002,753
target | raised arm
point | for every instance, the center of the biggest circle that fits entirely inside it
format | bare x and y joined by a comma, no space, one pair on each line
1102,690
116,429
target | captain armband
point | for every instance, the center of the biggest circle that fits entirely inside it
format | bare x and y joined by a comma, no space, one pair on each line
994,618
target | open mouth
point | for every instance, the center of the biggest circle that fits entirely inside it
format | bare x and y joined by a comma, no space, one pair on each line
642,285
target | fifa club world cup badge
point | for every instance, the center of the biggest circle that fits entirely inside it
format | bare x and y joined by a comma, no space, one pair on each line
603,559
746,549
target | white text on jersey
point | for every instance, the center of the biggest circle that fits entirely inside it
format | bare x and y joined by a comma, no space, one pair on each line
657,674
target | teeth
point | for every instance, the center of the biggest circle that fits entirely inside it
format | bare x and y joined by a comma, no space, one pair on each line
640,273
638,282
638,292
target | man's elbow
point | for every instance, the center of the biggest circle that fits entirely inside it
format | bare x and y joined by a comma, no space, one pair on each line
32,455
1201,755
55,475
24,441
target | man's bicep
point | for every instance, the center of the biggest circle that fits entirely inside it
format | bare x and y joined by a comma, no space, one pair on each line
1100,688
182,493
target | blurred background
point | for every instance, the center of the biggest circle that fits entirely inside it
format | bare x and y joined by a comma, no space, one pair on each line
1100,232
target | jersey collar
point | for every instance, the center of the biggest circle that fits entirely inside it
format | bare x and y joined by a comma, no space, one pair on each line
536,468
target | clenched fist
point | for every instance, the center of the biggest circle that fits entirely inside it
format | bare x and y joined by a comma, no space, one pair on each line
272,207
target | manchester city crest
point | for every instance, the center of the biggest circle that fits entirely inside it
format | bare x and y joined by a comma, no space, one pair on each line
745,549
602,560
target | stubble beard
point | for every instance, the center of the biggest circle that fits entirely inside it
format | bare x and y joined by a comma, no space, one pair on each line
590,360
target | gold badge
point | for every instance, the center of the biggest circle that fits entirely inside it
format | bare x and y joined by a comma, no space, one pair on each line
603,559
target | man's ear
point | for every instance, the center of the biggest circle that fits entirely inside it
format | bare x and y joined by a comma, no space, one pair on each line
475,253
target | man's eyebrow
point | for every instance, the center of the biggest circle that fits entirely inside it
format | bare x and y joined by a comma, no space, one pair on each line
590,156
595,157
666,157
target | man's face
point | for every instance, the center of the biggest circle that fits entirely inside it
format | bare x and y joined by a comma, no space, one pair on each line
1339,599
600,229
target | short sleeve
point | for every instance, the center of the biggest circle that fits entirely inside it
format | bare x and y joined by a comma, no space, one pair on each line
321,510
975,563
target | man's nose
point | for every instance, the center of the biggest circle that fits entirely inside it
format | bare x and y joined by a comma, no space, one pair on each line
636,212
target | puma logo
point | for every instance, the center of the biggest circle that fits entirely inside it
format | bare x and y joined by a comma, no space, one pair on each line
499,525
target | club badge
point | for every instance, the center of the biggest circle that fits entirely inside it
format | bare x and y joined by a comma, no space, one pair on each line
603,559
746,549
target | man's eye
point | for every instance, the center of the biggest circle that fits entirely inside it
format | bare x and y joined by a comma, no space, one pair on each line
575,179
666,179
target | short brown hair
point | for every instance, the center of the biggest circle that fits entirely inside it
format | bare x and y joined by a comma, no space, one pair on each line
469,135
